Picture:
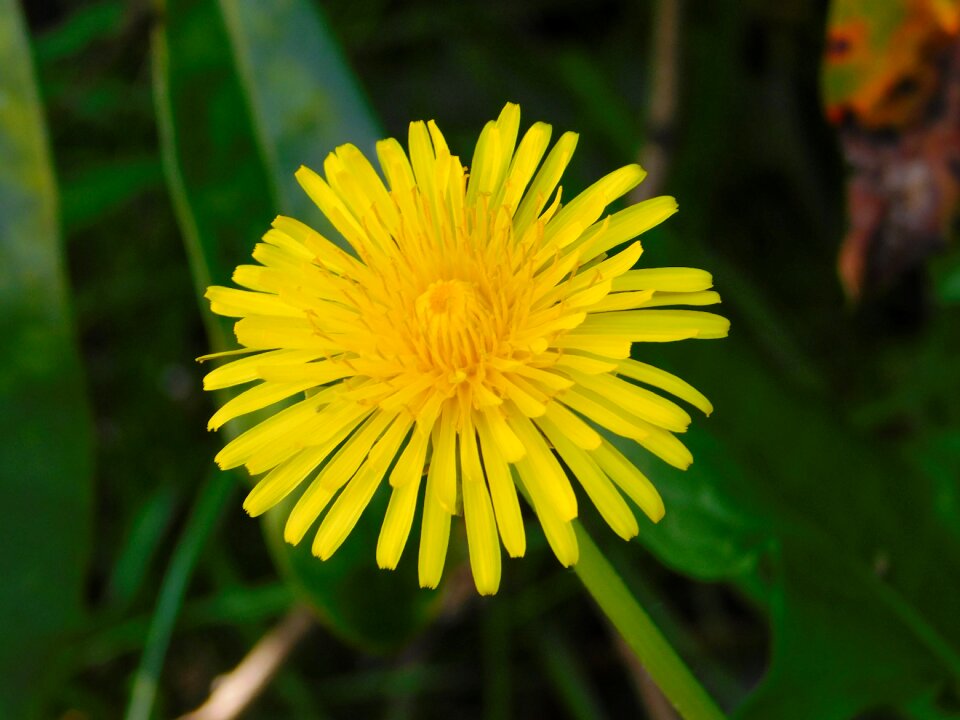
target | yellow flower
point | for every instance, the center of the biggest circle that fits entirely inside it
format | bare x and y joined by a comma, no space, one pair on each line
473,343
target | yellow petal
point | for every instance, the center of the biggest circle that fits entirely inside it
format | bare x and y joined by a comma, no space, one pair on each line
225,353
434,537
486,164
482,540
315,373
334,421
289,244
280,481
278,258
636,400
332,477
502,491
247,369
397,523
605,412
351,503
667,447
607,345
332,206
559,532
589,365
256,277
355,451
544,183
490,422
289,420
651,375
509,125
589,298
638,325
524,164
633,482
268,333
231,302
443,465
257,397
395,165
601,491
528,403
541,471
627,224
661,299
409,468
584,209
623,301
572,426
676,279
323,250
608,269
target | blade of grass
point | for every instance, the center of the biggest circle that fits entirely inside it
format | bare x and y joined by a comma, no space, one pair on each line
211,499
140,547
218,487
228,606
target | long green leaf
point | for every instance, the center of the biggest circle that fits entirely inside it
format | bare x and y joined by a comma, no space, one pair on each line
45,454
301,96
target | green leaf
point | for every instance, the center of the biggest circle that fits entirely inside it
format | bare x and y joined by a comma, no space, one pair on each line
302,98
842,641
844,541
218,183
708,531
244,98
139,548
790,503
45,455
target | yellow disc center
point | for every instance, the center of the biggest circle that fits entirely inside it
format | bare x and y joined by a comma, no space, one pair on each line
455,324
454,300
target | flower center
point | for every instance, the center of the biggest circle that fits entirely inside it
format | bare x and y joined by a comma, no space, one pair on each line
455,324
455,300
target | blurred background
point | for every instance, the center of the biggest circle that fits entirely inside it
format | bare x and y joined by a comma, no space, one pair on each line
809,563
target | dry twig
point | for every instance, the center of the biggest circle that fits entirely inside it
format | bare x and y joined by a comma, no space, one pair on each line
665,64
234,692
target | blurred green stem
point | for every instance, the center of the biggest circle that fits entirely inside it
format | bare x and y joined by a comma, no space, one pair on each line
210,500
656,655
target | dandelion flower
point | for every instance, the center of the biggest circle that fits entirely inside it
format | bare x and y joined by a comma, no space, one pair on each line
475,342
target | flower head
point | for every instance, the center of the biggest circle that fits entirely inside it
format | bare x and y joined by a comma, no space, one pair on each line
477,340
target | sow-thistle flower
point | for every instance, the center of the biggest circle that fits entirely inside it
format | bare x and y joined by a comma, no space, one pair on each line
475,342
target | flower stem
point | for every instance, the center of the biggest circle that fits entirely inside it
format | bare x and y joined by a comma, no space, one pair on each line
659,659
